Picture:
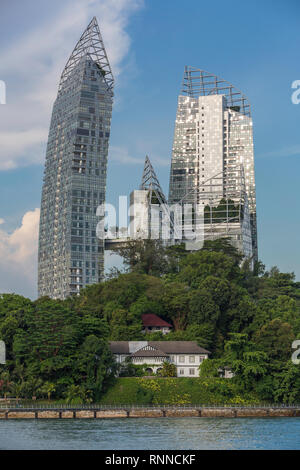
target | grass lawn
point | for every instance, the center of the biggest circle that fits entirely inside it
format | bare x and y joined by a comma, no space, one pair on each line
174,391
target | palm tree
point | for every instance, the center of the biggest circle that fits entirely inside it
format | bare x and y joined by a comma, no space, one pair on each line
33,386
76,394
16,389
48,388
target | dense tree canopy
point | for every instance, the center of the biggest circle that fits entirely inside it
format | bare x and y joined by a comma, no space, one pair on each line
247,319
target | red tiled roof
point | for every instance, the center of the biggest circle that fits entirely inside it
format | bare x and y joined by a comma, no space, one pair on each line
150,319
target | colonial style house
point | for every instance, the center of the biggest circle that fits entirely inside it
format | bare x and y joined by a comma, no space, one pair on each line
152,323
186,355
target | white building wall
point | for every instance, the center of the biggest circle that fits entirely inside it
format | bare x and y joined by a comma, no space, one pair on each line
187,365
210,136
139,214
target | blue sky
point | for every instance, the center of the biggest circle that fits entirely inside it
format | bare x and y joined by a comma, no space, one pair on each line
252,44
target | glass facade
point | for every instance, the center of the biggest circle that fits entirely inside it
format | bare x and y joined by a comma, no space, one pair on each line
149,211
213,159
70,254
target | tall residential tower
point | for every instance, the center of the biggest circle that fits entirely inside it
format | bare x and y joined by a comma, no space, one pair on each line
213,158
70,255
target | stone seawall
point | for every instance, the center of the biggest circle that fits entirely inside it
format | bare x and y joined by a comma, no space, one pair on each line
159,412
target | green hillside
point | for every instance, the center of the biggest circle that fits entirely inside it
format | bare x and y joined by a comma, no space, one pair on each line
248,318
174,391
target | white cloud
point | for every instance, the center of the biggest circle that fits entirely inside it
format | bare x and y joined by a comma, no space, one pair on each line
121,155
18,256
13,144
37,61
284,152
2,221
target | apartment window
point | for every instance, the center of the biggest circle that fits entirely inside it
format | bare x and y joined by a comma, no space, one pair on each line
181,359
192,371
192,359
181,372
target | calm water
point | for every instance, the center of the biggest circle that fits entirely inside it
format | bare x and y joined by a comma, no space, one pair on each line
151,434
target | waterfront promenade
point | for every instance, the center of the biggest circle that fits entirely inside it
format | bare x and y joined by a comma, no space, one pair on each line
95,411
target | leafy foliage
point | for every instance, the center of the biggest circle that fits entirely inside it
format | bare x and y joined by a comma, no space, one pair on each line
246,318
167,370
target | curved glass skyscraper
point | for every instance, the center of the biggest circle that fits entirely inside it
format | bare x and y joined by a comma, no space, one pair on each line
70,254
213,158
